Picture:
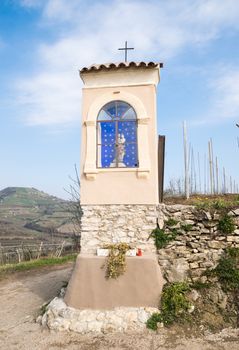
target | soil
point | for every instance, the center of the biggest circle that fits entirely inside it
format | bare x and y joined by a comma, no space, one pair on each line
23,294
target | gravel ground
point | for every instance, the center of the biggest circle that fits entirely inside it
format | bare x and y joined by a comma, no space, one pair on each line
23,294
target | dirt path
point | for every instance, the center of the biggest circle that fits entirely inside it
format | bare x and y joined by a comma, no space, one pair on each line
22,295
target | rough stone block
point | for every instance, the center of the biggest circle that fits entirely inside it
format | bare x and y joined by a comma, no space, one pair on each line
194,265
216,245
233,239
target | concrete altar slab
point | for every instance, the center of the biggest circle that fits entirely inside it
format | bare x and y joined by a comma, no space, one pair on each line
140,286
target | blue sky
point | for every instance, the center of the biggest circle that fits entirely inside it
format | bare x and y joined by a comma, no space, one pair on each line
43,44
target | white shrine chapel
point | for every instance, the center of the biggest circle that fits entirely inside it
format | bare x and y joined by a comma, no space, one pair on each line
119,186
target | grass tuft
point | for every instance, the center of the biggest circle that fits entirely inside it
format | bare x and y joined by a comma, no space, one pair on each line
226,224
35,264
161,238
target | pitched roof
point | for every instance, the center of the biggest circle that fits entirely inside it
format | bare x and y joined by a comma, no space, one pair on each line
108,66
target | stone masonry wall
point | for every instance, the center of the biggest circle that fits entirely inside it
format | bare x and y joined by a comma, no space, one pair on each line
189,255
200,248
106,224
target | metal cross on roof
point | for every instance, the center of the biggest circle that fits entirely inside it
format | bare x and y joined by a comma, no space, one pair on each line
126,48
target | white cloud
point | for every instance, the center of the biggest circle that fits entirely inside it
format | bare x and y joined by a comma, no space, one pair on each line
52,98
226,94
62,10
223,96
92,31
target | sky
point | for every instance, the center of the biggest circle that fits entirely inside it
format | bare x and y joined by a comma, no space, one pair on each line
44,43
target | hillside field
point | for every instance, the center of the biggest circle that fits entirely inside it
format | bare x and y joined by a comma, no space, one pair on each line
28,215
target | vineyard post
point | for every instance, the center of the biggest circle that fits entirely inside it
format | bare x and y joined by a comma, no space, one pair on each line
217,177
224,181
210,166
39,251
186,177
213,172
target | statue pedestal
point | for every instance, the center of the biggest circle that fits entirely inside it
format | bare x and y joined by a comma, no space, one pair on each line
139,286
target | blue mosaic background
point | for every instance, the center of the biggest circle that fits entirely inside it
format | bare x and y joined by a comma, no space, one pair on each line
108,142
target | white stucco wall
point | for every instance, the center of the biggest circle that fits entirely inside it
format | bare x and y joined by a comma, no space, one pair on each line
126,185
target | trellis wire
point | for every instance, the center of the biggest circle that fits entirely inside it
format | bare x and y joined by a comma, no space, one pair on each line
25,252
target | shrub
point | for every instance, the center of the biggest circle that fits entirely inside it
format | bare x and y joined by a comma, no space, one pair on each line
174,305
226,224
174,302
161,238
227,269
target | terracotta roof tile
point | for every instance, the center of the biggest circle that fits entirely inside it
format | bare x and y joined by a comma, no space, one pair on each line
108,66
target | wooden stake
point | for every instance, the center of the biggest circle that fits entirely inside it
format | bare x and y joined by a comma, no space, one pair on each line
224,181
186,177
39,251
213,172
205,173
217,178
210,166
199,174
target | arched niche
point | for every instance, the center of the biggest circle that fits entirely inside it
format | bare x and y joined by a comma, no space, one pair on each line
143,166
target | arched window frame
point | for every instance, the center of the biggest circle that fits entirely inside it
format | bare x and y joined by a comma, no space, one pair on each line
90,169
120,150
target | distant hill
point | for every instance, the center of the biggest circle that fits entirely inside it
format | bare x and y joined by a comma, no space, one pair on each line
27,215
24,196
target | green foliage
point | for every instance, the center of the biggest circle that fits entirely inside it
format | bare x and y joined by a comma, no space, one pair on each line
227,270
174,305
116,262
152,322
233,253
199,285
186,227
171,222
174,302
218,204
226,224
161,238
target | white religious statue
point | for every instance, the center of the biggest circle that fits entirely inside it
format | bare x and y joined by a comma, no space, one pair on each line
121,148
120,152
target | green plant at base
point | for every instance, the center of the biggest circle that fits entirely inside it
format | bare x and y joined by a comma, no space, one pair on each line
152,322
174,305
174,302
116,262
227,270
161,238
226,224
